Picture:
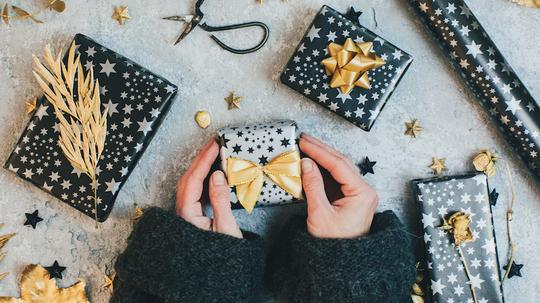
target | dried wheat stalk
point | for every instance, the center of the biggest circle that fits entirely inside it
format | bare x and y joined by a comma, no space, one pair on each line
77,105
3,241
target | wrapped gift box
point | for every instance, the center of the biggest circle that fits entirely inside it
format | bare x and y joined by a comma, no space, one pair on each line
439,198
137,101
364,99
260,144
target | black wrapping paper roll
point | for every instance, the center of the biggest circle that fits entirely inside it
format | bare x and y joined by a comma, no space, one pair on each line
485,71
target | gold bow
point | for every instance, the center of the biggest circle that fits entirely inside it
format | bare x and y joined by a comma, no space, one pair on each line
349,64
248,177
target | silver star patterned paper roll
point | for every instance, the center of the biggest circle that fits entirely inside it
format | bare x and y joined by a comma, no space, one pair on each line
439,198
485,71
137,101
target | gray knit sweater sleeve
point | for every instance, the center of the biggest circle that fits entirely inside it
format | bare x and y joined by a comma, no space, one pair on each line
376,268
170,260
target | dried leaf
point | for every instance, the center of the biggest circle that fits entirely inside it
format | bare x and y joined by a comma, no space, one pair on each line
82,138
5,238
37,286
57,5
138,213
24,14
109,282
5,14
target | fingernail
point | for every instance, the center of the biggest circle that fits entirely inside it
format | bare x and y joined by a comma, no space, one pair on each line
307,165
218,178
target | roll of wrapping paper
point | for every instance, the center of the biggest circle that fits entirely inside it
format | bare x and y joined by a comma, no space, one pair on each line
485,71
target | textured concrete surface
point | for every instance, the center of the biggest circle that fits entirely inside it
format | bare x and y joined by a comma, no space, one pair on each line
455,125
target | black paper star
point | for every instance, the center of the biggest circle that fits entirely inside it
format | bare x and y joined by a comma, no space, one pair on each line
32,219
353,15
515,270
366,167
224,141
263,160
55,270
493,196
285,142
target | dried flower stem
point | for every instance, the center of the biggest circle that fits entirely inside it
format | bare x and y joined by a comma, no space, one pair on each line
82,138
464,261
509,218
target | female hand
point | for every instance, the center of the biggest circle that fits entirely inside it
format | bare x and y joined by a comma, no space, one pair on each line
346,217
190,188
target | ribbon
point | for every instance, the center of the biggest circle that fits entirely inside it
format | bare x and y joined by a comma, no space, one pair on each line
248,177
349,64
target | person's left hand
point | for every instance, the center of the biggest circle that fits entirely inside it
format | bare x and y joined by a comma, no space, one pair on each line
190,189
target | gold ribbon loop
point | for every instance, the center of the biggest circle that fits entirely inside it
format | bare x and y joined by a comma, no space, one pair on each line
248,177
349,64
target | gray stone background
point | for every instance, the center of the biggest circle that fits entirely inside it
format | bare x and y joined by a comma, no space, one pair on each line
455,125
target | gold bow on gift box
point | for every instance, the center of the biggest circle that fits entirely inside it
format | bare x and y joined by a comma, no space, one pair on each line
248,177
349,64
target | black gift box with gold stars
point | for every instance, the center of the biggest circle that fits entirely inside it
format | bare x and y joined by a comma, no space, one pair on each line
357,92
136,101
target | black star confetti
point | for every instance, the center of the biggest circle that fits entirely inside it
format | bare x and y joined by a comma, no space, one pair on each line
493,197
237,149
32,219
353,14
515,270
55,270
366,167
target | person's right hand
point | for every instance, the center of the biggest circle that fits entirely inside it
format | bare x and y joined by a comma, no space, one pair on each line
346,217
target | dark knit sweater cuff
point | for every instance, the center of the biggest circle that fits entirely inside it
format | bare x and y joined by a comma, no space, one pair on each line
375,268
175,261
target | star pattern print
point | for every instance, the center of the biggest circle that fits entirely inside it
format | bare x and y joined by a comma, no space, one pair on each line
306,74
135,99
260,143
486,72
440,198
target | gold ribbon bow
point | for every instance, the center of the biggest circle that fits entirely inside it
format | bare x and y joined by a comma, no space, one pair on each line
349,64
248,177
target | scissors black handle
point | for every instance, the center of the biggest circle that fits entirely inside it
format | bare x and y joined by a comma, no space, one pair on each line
263,26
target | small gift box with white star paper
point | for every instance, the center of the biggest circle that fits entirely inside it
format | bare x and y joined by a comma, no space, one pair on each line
448,258
345,67
262,164
135,100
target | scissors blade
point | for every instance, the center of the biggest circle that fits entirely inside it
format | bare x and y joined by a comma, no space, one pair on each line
190,26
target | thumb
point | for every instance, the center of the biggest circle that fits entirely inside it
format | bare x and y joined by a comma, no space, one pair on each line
224,221
313,184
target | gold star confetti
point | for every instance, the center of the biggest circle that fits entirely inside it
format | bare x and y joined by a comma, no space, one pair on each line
438,165
121,14
108,283
203,119
233,101
138,213
413,128
31,105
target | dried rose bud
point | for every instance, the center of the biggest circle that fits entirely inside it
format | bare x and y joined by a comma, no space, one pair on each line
485,162
461,231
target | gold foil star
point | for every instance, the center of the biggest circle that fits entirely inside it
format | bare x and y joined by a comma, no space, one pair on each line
233,101
138,213
413,128
109,282
121,14
31,105
438,165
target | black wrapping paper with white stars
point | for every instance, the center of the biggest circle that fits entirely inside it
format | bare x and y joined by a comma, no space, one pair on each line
306,74
259,143
137,100
485,71
441,197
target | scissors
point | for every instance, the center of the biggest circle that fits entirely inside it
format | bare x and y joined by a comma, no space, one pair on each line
197,20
